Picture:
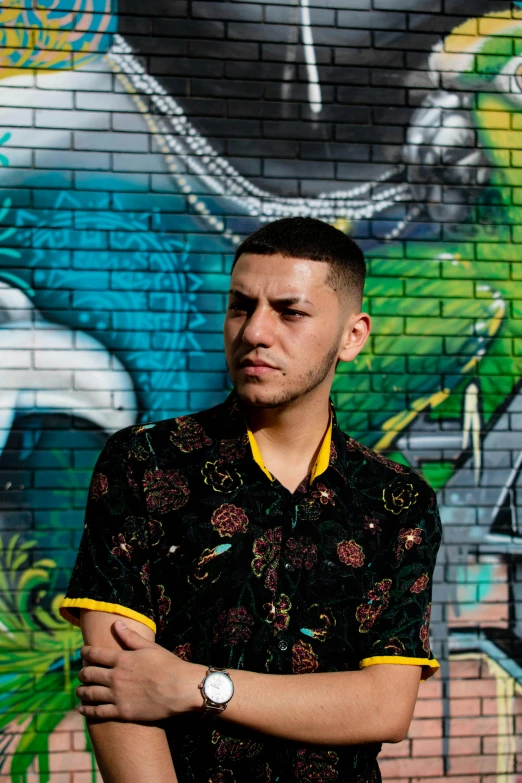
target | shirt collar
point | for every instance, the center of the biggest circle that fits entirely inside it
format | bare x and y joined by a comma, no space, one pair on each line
323,458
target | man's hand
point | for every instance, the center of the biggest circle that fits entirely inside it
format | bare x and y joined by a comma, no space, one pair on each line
145,683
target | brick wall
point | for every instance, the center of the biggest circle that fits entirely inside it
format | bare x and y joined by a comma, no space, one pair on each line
135,152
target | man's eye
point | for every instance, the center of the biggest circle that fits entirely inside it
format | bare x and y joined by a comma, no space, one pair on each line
292,314
236,306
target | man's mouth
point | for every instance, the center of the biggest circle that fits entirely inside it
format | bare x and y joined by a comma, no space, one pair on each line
256,367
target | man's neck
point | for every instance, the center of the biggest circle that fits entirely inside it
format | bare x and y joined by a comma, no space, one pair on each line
290,438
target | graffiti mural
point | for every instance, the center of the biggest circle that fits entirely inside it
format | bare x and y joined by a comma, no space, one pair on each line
137,148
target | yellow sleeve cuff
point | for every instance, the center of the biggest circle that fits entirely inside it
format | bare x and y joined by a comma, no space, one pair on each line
101,606
429,666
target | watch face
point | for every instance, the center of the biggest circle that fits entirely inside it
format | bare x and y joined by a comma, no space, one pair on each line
218,687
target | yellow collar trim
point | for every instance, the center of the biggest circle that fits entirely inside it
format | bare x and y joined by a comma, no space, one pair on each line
321,463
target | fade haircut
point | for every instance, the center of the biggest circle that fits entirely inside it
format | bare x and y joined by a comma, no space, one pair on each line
306,237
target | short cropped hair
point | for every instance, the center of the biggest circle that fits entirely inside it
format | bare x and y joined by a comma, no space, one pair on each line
306,237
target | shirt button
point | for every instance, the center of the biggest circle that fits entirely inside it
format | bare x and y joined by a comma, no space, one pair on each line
283,645
289,566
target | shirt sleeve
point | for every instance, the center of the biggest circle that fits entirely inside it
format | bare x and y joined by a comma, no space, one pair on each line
394,618
112,569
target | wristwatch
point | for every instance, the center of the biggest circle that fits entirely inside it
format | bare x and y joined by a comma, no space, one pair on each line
217,689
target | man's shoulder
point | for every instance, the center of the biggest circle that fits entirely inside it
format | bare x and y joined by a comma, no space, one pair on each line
378,469
188,431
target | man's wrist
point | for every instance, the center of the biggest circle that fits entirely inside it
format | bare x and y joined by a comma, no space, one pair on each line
186,693
195,694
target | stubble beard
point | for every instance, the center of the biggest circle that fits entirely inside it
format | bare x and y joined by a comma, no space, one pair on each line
310,381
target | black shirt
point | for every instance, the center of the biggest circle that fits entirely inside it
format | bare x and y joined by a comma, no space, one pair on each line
188,532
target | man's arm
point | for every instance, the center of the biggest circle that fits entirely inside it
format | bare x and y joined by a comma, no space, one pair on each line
126,752
374,704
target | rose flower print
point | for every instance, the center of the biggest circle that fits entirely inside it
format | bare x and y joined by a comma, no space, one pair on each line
398,498
301,552
229,519
267,551
420,584
235,748
220,478
350,553
99,486
316,766
189,434
378,600
233,448
304,659
233,626
165,491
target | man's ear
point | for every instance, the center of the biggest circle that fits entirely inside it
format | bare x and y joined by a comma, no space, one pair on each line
355,335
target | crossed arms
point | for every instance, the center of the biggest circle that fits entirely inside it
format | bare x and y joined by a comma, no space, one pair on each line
334,708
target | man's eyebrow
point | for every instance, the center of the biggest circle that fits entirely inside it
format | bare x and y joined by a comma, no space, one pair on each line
280,300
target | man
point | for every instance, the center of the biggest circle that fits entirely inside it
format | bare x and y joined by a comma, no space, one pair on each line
258,538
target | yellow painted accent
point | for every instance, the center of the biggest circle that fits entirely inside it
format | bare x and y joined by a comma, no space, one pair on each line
468,39
40,49
493,25
397,423
498,21
496,120
507,688
401,420
506,747
505,139
459,43
321,463
101,606
429,666
468,28
494,326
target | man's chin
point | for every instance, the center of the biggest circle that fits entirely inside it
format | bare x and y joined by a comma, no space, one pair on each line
259,395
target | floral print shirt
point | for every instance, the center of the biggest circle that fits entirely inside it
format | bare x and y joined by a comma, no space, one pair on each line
188,532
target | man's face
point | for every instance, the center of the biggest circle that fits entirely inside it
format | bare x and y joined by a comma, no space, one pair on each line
284,328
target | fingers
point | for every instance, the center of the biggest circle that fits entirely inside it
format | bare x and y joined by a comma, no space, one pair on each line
91,693
95,674
101,655
108,711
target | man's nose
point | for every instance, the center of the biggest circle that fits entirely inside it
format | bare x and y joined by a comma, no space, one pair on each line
259,328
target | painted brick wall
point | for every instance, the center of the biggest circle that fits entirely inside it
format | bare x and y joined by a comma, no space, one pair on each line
138,143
